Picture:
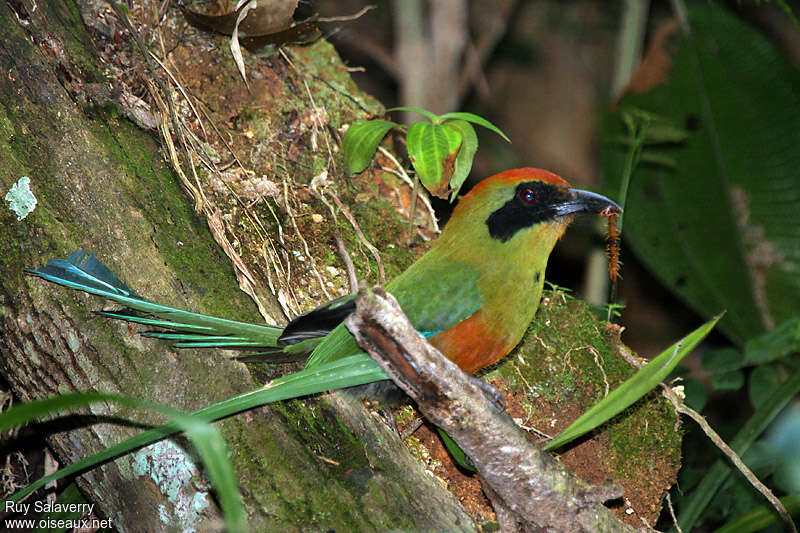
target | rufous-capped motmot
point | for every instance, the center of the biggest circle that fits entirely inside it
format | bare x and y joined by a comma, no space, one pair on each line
472,294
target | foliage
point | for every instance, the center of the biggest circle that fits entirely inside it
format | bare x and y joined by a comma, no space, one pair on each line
440,150
761,517
347,372
711,206
85,273
708,214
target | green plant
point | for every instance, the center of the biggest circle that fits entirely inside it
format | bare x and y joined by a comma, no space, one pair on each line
637,386
350,371
711,214
440,150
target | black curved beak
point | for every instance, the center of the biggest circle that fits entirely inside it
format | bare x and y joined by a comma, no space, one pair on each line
581,201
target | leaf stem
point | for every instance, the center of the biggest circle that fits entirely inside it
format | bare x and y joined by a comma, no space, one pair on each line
412,209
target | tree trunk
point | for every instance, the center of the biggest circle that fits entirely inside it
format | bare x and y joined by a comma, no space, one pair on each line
102,183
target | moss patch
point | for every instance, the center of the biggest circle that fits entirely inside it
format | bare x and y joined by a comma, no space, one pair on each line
565,364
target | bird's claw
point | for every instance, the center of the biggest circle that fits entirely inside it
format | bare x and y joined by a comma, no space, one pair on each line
498,402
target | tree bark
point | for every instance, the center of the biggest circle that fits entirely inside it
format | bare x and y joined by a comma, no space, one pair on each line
101,183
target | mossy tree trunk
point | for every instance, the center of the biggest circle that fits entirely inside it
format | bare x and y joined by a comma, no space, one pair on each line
102,183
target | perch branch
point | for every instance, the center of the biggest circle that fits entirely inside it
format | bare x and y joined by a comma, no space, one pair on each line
528,486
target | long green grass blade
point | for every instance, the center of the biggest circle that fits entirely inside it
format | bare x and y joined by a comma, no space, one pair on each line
455,451
206,439
761,517
213,451
699,499
649,376
346,372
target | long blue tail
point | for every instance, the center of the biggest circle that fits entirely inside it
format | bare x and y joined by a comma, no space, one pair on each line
84,272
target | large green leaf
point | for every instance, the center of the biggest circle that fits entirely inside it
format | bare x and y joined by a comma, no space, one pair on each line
720,227
361,141
433,149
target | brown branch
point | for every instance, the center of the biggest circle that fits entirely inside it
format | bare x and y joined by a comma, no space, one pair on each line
348,262
347,18
528,486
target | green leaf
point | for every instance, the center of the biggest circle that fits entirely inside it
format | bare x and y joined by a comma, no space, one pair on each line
699,499
648,377
466,154
361,141
455,451
720,228
424,112
725,381
346,372
723,360
763,380
775,344
475,119
206,439
761,517
432,149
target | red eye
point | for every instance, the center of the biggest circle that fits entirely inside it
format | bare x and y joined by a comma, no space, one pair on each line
528,196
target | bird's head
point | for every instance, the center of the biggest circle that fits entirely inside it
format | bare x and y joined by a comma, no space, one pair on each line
525,207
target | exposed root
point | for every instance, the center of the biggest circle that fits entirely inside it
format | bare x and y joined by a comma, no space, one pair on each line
361,236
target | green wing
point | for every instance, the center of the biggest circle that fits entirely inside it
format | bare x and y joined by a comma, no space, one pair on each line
434,297
437,296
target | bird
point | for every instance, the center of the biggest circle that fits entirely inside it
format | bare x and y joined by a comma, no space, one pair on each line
472,294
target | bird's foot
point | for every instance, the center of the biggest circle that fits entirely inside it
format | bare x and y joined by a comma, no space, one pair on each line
498,402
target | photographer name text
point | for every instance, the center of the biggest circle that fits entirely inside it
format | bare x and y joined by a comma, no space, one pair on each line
47,507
